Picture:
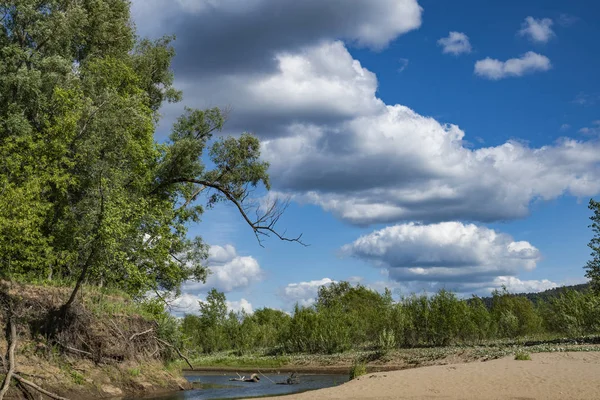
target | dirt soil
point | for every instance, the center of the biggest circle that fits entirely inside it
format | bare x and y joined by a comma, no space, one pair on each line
569,375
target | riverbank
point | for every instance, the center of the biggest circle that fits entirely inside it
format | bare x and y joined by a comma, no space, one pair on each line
568,375
392,360
108,347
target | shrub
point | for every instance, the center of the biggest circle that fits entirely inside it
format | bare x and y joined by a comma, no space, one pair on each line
522,356
358,369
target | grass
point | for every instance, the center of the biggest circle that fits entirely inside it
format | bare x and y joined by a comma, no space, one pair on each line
522,356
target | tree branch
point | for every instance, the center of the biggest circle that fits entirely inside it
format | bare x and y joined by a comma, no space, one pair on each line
263,225
176,349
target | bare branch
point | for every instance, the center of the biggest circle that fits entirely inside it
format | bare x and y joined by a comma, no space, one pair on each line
177,350
264,225
140,334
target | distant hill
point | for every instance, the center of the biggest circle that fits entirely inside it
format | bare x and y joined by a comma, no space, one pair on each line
542,296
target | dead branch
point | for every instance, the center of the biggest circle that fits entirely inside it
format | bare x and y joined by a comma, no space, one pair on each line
264,225
117,329
176,349
11,357
38,388
140,334
74,350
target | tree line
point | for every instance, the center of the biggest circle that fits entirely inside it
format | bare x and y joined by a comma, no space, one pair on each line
348,317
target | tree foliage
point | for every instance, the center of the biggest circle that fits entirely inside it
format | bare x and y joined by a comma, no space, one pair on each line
86,193
593,266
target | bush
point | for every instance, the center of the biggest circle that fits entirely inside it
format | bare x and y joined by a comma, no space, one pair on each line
522,356
358,369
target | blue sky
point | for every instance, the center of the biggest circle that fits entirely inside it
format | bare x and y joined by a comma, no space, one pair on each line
423,144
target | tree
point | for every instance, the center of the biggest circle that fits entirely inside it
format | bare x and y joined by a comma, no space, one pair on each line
88,195
593,266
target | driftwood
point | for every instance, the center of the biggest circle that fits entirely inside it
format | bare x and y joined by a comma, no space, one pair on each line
253,378
291,380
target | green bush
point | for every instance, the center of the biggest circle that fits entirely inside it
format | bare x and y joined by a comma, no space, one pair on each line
522,356
358,369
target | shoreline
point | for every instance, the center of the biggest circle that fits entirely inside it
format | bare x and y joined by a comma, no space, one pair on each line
552,376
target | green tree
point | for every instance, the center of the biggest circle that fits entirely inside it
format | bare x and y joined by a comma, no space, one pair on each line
88,195
593,266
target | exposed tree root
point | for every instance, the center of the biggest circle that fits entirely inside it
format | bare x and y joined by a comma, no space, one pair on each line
11,337
38,388
12,340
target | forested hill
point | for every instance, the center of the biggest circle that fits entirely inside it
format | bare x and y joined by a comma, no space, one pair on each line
543,296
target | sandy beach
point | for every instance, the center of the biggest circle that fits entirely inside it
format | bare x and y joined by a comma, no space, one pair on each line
573,375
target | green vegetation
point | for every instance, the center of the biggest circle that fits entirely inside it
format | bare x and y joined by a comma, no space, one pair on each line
88,195
522,356
347,317
358,369
593,266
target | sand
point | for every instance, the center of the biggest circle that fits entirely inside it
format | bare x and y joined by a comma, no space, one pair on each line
547,376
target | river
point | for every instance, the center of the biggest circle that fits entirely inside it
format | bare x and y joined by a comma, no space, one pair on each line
218,386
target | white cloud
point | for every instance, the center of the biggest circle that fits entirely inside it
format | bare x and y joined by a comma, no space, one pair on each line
228,271
444,252
403,64
565,127
456,43
526,64
593,130
537,30
515,285
332,142
303,293
567,20
250,28
189,303
239,306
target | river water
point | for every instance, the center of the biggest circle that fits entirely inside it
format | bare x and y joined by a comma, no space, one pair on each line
218,386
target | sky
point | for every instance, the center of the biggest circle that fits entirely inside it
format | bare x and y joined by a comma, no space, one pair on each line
422,144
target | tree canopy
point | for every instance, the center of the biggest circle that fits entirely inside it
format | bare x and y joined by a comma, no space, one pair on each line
87,195
593,266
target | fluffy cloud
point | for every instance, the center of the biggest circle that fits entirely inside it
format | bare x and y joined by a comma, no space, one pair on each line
537,30
216,37
239,306
189,303
228,271
456,43
444,252
330,140
303,293
526,64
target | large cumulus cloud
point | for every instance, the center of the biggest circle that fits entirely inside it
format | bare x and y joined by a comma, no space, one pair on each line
330,140
449,254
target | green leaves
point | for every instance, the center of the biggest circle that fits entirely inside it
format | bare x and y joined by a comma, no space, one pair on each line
593,266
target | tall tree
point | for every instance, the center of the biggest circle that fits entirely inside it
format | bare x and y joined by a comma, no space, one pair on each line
593,266
86,193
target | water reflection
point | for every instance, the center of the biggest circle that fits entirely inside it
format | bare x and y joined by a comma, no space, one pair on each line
218,386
